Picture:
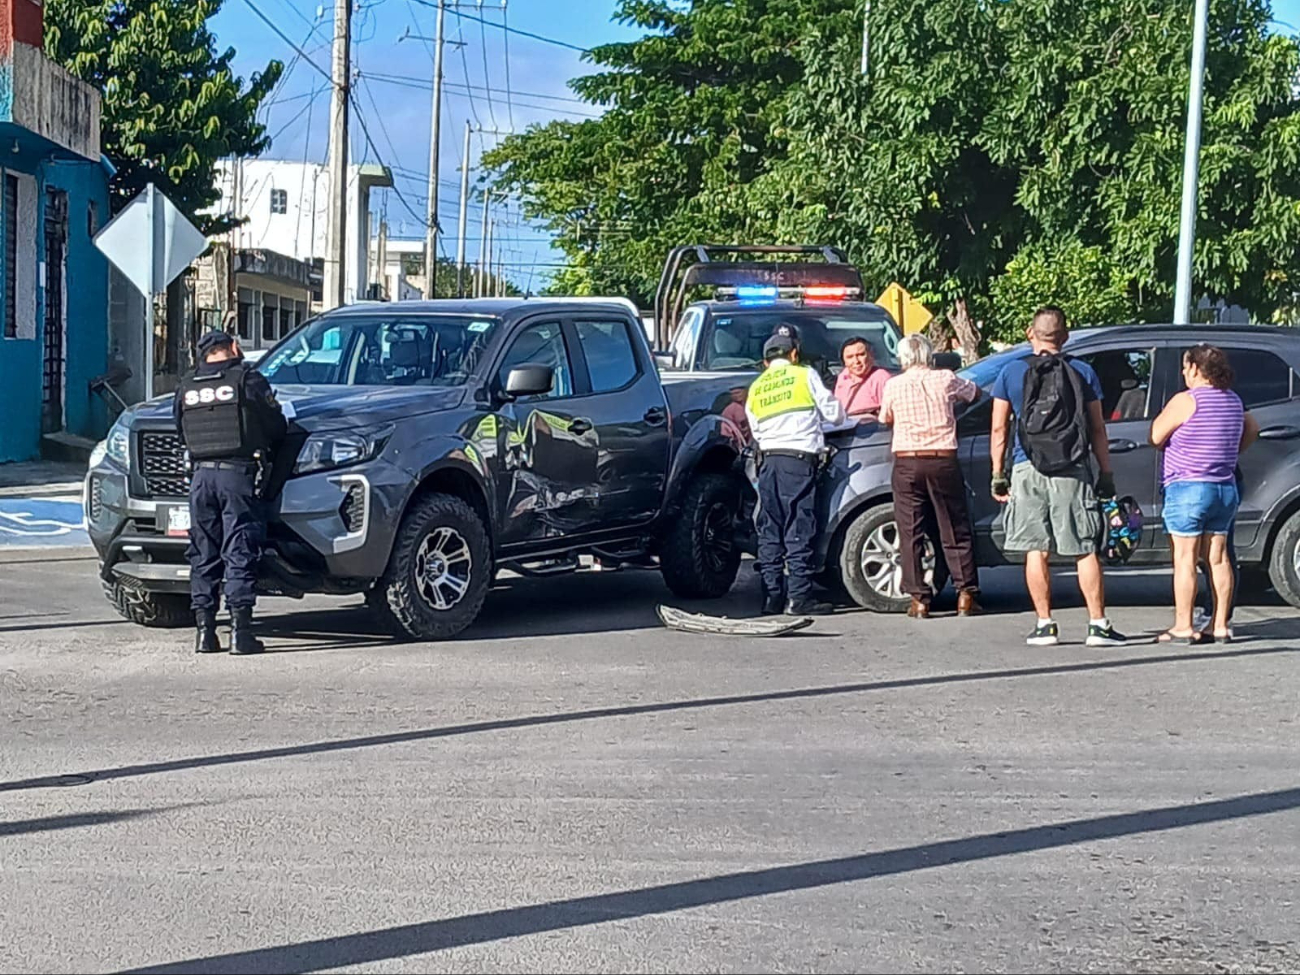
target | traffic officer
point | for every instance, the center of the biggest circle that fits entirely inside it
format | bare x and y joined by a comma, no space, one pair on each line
230,422
787,406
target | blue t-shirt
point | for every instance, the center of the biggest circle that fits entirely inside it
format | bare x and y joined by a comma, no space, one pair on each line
1010,386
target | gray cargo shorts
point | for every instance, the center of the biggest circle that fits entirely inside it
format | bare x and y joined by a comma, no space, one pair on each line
1056,513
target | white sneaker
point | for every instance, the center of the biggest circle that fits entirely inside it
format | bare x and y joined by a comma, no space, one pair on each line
1201,620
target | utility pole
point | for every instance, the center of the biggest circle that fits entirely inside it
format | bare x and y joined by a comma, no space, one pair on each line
336,276
488,283
866,36
431,240
1191,168
464,209
382,259
480,275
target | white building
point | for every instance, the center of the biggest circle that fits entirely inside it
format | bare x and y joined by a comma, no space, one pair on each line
285,205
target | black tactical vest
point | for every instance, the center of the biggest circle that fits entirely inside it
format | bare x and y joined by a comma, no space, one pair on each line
215,418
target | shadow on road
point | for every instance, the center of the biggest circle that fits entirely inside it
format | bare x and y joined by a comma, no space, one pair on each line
416,939
629,710
74,821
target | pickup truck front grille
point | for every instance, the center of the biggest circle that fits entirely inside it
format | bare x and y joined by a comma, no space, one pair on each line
162,462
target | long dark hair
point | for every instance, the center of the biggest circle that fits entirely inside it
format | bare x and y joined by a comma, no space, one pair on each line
1212,363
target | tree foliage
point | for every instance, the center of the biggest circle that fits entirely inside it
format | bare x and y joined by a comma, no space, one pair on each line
172,105
999,154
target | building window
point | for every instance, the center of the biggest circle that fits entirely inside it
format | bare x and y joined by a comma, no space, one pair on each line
244,322
11,255
270,315
279,201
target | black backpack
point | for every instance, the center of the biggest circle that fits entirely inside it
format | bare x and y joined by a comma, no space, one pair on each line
1052,421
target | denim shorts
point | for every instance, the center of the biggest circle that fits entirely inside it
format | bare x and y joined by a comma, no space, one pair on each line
1194,508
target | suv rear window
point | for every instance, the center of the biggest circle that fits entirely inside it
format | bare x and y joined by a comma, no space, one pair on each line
733,340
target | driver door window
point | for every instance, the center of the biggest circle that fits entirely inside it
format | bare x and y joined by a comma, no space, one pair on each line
541,344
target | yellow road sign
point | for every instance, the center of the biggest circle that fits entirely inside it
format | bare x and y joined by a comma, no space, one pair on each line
910,314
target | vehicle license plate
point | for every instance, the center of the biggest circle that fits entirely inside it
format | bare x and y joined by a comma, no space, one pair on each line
178,521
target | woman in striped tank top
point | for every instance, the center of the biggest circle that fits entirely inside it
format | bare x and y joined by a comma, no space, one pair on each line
1202,432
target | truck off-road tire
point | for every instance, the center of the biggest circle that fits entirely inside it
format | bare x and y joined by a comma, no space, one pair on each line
1284,561
871,565
161,610
439,572
698,555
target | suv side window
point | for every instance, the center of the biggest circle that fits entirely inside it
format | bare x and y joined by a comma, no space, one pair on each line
1261,377
541,344
611,360
1125,376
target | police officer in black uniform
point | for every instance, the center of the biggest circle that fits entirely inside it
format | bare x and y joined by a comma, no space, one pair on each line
230,422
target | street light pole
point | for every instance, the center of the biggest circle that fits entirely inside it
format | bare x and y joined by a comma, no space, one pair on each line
431,237
464,203
1191,168
336,274
866,36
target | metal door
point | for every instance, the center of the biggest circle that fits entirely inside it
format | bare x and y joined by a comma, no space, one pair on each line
56,245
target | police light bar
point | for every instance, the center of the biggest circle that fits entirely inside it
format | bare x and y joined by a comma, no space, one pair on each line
756,292
825,292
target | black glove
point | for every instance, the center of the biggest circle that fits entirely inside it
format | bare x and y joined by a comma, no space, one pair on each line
1001,486
1105,485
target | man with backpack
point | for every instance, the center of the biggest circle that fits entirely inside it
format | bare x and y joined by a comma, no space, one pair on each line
1052,490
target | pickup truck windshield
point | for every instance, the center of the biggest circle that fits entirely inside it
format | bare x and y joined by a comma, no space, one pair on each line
381,350
733,341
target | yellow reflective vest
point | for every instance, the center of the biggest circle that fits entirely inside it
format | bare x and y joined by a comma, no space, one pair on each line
783,388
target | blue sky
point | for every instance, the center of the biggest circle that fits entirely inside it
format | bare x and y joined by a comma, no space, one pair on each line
398,114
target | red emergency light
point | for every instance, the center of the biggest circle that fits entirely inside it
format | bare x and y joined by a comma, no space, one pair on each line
826,292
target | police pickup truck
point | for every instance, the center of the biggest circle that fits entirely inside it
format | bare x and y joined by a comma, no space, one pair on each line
434,443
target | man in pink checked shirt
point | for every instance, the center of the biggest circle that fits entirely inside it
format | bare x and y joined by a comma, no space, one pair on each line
861,384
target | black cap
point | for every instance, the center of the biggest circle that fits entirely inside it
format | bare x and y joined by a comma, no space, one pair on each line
214,340
783,341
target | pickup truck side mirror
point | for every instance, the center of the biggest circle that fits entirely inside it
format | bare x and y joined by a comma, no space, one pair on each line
529,380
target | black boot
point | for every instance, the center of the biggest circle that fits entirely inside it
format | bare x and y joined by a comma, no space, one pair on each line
205,636
242,640
773,603
808,607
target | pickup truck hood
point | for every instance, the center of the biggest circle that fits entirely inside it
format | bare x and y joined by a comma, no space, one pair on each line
333,407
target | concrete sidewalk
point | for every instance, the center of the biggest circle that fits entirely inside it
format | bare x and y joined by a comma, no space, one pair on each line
41,479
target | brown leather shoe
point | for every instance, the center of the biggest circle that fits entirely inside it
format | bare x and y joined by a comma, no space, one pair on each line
918,610
967,606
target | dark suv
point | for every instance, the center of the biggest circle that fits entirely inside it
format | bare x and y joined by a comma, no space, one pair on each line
1140,369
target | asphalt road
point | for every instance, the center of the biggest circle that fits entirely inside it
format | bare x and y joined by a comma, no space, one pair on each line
570,787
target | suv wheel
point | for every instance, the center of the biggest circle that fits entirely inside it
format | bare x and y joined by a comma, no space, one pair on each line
161,610
1284,561
439,572
698,555
871,563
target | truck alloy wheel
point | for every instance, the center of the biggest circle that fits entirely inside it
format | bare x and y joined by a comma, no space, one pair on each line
443,568
438,573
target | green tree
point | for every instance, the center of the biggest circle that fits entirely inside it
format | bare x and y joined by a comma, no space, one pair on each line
172,106
694,114
1036,140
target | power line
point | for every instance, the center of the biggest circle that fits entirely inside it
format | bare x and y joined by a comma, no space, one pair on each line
487,78
365,130
464,62
288,40
411,82
512,30
450,88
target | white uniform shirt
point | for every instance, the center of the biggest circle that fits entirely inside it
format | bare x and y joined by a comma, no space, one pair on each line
801,430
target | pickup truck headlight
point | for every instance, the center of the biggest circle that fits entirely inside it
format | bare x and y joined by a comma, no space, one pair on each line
326,451
114,446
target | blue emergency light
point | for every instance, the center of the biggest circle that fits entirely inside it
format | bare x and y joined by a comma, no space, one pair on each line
756,292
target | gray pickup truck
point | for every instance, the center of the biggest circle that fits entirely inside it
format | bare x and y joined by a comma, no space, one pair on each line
434,443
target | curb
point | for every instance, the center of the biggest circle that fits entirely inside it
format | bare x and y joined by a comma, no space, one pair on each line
46,553
59,489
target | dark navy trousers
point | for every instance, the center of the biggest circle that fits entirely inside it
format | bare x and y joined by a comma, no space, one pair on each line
787,525
226,532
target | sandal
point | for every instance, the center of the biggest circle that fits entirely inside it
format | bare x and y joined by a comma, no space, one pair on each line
1225,637
1193,639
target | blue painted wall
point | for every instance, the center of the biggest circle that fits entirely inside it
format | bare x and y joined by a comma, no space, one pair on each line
86,296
